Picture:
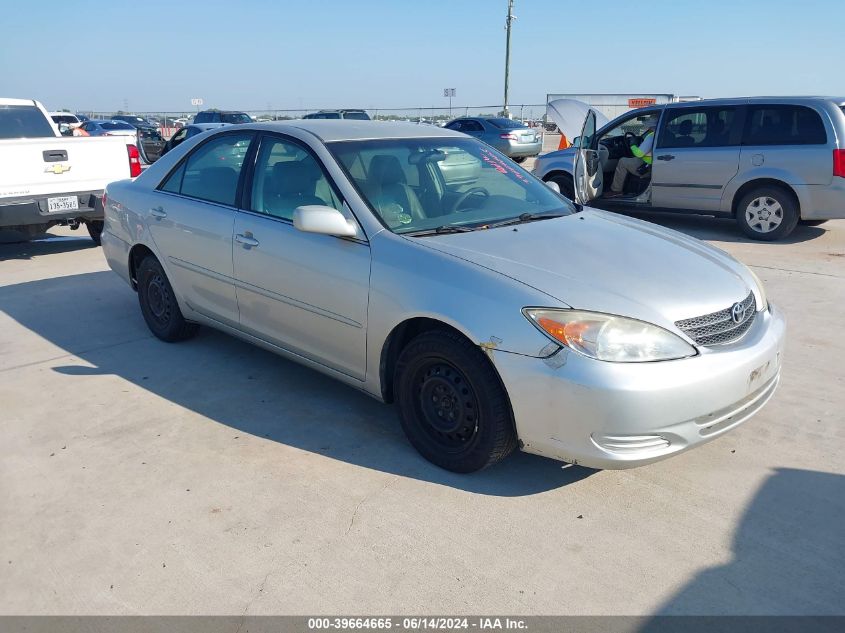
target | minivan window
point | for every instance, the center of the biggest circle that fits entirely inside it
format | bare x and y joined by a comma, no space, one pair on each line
212,170
18,121
697,127
783,125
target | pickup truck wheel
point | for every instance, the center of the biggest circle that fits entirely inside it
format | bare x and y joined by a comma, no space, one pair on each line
767,213
95,230
452,404
158,304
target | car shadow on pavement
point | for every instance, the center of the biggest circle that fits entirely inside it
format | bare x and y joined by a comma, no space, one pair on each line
718,229
788,558
244,387
50,245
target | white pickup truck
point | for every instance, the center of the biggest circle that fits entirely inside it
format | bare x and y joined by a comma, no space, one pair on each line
48,179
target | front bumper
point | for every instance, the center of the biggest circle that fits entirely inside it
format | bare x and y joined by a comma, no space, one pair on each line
621,415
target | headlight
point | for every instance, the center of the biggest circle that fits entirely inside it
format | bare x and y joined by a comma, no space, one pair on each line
607,337
764,302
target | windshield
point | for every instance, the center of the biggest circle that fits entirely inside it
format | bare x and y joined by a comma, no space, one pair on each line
421,184
506,124
235,117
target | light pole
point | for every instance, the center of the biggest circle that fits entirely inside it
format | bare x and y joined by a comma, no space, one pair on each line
508,22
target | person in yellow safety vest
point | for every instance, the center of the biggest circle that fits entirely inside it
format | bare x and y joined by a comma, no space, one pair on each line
631,164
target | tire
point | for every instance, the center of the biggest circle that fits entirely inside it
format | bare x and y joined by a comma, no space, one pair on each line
566,184
764,206
95,230
520,159
158,304
812,222
452,405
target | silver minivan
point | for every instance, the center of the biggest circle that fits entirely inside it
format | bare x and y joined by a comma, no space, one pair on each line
768,162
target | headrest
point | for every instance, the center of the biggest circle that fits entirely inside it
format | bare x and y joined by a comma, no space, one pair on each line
685,127
385,169
295,176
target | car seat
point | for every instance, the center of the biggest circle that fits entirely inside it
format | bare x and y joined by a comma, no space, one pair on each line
386,185
291,185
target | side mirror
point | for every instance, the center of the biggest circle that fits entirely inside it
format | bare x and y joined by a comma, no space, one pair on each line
314,218
551,184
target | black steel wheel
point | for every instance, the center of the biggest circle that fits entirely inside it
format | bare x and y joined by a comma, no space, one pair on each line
452,404
158,304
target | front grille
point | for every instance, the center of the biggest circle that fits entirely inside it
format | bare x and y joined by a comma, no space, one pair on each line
719,328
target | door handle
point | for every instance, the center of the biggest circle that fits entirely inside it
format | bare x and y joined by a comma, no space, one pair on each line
246,239
158,213
666,157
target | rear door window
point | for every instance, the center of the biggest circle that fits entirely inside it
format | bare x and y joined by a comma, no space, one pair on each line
18,121
212,171
697,127
783,125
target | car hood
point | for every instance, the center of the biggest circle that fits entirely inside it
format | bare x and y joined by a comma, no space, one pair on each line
604,262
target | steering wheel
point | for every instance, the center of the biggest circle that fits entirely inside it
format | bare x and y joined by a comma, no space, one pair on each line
475,191
631,138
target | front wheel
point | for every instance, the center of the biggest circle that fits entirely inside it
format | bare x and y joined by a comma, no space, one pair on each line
452,404
565,184
158,304
767,213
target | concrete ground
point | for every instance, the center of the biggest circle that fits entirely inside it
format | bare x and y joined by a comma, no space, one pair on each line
213,477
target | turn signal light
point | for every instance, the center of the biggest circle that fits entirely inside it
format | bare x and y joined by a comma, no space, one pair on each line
134,161
839,163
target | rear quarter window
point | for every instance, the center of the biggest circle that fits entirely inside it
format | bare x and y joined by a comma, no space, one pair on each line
24,122
783,125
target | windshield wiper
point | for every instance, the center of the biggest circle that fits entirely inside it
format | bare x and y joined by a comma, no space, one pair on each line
440,230
526,217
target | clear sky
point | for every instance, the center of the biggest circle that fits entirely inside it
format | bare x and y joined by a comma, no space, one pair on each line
255,54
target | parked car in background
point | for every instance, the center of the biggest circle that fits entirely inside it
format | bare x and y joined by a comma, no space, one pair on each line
47,179
496,317
108,128
222,116
767,162
66,122
133,120
459,167
359,115
189,131
150,141
513,138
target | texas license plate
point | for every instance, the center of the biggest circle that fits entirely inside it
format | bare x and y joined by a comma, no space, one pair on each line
63,203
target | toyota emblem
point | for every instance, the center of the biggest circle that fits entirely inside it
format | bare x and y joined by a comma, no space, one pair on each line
737,313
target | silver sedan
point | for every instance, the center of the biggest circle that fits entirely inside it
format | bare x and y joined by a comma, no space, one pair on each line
495,313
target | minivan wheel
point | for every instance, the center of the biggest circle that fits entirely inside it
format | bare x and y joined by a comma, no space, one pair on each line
567,186
95,230
767,213
452,405
158,304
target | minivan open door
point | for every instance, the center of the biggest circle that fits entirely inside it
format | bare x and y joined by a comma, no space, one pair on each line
588,176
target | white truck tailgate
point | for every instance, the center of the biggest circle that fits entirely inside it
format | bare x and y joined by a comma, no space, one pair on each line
41,166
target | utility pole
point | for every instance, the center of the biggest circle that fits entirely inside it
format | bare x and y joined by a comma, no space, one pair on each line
508,22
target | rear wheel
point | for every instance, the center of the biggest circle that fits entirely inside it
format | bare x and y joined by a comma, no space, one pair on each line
158,304
767,213
95,230
520,159
452,404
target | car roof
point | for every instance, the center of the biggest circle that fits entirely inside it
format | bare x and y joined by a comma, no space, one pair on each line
328,130
748,100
